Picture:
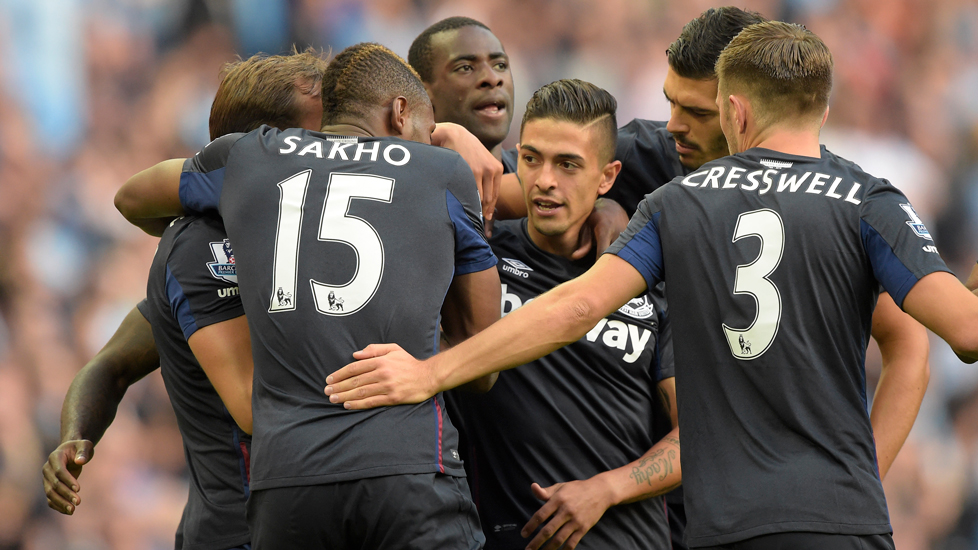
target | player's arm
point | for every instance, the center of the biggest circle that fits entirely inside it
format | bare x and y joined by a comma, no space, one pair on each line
972,282
486,168
941,303
471,305
511,204
91,404
904,347
152,197
574,507
224,353
387,375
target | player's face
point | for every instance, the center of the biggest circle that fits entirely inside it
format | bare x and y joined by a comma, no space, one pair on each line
471,83
694,119
562,175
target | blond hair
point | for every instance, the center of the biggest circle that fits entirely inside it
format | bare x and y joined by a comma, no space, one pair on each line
262,90
783,68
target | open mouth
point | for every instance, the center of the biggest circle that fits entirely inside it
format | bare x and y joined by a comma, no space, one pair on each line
545,205
491,108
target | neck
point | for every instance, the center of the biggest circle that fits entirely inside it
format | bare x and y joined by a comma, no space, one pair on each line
347,129
564,244
803,143
496,151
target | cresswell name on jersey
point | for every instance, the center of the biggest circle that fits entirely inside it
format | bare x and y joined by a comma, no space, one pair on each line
613,333
763,181
393,153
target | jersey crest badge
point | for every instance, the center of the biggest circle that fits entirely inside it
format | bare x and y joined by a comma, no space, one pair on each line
639,308
223,267
916,223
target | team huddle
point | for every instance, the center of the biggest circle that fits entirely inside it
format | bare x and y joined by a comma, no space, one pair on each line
347,269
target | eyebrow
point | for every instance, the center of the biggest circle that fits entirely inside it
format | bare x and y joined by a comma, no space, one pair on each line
558,156
473,57
689,107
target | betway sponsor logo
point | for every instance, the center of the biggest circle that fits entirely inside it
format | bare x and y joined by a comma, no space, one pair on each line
626,337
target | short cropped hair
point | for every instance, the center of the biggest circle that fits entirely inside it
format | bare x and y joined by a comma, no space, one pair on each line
419,55
783,68
365,76
579,102
261,90
694,54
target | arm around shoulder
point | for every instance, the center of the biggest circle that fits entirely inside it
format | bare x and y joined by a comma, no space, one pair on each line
152,196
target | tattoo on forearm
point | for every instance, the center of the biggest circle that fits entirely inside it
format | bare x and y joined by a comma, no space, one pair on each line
658,465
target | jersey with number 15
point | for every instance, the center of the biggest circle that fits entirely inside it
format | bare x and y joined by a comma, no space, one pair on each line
340,242
773,263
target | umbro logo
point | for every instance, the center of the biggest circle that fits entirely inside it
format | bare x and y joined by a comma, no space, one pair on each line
516,267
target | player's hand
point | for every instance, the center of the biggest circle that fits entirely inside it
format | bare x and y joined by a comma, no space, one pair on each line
61,472
607,221
487,170
384,375
573,508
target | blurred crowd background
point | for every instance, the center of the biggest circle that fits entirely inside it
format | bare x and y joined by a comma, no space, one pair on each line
96,90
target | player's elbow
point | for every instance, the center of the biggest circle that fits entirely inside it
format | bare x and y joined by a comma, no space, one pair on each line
126,203
581,314
964,342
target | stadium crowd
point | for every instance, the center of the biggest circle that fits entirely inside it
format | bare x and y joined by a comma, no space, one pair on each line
96,91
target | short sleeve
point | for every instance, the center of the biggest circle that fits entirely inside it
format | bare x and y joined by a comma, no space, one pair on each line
640,245
202,178
472,252
201,279
898,245
143,307
665,362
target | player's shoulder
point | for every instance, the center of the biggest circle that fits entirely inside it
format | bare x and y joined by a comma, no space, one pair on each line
853,169
641,126
644,134
190,231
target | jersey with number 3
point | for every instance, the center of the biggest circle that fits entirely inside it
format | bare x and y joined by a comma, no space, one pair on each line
773,264
340,242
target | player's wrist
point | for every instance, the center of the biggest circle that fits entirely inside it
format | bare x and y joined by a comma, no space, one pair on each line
611,492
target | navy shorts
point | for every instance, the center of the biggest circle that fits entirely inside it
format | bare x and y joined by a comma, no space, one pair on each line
409,512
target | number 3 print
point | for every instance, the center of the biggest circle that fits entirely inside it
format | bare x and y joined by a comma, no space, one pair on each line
752,279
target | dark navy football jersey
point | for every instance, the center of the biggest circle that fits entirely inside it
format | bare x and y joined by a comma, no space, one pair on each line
648,156
581,410
341,242
192,284
773,265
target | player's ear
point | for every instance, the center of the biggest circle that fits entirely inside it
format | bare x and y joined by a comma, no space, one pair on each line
608,175
824,117
399,115
740,109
